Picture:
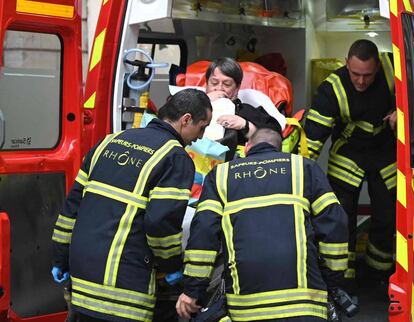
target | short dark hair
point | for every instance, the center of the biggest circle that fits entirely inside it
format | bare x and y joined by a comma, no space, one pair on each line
364,49
266,135
188,100
228,66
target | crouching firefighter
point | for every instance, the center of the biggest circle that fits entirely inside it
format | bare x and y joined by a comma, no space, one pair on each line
282,231
121,222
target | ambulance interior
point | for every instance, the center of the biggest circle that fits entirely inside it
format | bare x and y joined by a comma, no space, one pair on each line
309,38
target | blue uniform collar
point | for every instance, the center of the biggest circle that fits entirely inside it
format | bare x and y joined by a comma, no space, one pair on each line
261,148
160,124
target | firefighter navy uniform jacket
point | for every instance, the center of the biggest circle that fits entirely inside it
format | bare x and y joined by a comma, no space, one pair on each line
282,231
361,139
122,221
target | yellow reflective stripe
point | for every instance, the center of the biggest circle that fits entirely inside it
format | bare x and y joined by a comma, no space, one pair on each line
407,6
65,222
45,8
388,70
90,102
341,97
167,253
62,237
115,309
228,234
221,176
397,61
401,188
100,148
323,201
337,145
375,251
82,177
315,116
390,170
381,266
400,126
339,264
314,144
402,251
279,296
198,255
225,319
367,127
300,234
347,164
393,7
266,201
152,283
391,183
221,181
151,163
169,193
279,312
350,273
117,246
333,248
97,49
198,270
112,293
115,193
212,205
343,175
165,241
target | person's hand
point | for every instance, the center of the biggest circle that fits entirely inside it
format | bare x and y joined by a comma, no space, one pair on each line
232,122
392,120
58,276
186,305
215,95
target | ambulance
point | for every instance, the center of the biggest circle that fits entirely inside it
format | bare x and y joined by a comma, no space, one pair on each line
52,111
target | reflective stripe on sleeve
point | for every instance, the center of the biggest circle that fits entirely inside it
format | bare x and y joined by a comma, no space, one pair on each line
169,193
322,202
333,248
211,205
198,255
82,177
315,116
202,271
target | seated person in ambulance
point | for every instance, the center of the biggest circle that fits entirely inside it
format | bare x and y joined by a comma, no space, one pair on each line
223,80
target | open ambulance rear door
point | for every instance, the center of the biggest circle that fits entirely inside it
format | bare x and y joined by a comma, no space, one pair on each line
40,132
401,285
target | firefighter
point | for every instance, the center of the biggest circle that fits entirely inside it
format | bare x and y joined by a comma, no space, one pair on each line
355,105
282,231
121,222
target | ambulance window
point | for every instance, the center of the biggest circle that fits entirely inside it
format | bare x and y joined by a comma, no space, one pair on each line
30,84
408,27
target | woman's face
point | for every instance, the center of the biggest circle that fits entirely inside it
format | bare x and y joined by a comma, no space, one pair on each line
222,83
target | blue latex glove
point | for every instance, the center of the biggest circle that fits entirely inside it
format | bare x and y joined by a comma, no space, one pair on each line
58,276
174,278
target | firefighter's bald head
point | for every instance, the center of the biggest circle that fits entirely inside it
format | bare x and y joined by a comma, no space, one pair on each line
264,136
